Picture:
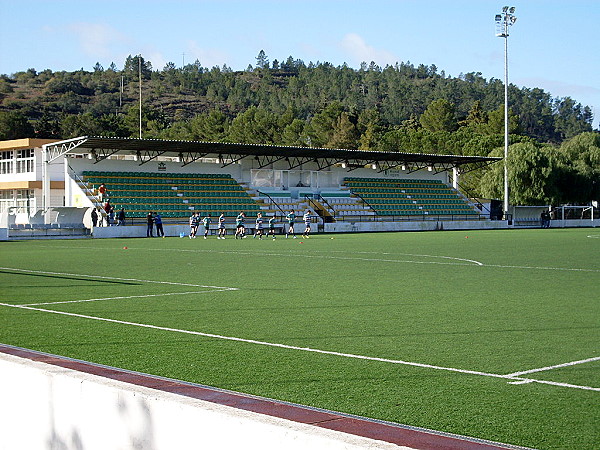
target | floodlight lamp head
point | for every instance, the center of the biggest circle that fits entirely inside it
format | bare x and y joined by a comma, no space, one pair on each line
505,9
498,17
511,10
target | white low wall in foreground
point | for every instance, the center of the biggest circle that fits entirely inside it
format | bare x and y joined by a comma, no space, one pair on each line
130,231
46,406
432,225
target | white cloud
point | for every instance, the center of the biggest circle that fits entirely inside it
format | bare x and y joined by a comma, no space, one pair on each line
357,49
98,40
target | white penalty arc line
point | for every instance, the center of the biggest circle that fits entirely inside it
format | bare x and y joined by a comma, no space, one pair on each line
308,349
100,277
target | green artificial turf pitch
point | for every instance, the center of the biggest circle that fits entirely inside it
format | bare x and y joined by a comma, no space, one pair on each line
414,328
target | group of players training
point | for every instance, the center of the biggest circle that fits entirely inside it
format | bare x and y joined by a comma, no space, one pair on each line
240,229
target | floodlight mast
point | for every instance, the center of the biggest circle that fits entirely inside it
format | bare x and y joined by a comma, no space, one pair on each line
503,21
140,75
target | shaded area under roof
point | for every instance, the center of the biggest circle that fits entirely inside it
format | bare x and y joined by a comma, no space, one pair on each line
190,151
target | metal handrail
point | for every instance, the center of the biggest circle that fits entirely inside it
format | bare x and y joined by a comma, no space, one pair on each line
470,195
311,203
362,199
329,205
96,201
272,200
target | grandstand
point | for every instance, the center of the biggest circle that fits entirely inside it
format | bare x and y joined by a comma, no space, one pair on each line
347,190
174,194
410,197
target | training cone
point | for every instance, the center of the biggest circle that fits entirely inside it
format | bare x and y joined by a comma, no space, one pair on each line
124,248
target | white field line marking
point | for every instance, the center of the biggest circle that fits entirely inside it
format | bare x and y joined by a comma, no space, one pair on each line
407,254
348,258
222,288
290,255
127,297
306,349
557,366
594,236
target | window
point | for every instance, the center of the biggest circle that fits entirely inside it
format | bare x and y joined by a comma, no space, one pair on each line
6,199
25,160
25,199
6,162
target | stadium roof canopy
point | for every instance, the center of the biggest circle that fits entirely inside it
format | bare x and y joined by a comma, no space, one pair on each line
147,150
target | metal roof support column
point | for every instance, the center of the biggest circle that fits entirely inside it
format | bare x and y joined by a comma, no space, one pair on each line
455,173
45,182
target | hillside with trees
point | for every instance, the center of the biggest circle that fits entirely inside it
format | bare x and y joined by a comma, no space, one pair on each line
402,107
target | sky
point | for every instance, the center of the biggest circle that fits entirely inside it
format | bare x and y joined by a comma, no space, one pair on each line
554,45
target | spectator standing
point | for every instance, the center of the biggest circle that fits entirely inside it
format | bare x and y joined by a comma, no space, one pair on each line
100,218
150,223
94,217
102,191
121,217
111,217
158,223
107,207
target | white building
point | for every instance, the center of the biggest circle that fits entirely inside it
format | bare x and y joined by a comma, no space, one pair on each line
21,176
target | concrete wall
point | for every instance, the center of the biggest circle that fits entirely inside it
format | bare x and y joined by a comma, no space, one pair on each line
131,231
345,227
575,223
46,406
